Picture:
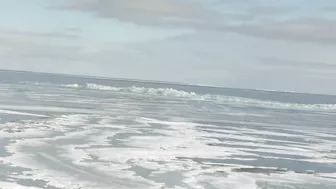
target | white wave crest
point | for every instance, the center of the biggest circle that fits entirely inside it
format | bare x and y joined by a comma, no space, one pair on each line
21,113
168,92
72,86
101,87
173,93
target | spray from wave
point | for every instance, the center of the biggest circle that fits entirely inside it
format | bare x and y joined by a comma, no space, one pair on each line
173,93
168,92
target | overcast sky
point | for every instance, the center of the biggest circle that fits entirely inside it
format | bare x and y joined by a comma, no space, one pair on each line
285,45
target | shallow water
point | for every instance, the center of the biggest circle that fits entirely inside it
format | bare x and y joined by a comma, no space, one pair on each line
72,132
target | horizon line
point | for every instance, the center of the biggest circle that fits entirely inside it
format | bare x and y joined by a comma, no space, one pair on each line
158,82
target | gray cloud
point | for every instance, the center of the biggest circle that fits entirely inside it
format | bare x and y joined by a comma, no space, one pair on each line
192,14
65,34
151,12
39,50
269,10
308,30
330,8
276,63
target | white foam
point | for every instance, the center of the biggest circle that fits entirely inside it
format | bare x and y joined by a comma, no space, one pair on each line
21,113
232,181
116,176
291,177
73,135
144,148
27,160
40,128
183,134
173,93
101,87
328,175
244,114
271,133
12,185
48,109
72,86
180,140
22,132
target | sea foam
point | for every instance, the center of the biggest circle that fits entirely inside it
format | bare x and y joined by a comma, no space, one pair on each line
222,99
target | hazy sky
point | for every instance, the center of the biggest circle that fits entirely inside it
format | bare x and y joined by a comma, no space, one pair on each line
266,44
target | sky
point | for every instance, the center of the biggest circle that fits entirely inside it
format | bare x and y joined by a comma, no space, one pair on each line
286,45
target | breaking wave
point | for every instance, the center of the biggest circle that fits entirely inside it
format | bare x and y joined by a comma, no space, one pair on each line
72,86
168,92
173,93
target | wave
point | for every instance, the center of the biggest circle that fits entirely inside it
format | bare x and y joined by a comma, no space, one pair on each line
173,93
72,85
168,92
21,113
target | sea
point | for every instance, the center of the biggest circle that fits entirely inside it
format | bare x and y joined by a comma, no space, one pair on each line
76,132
